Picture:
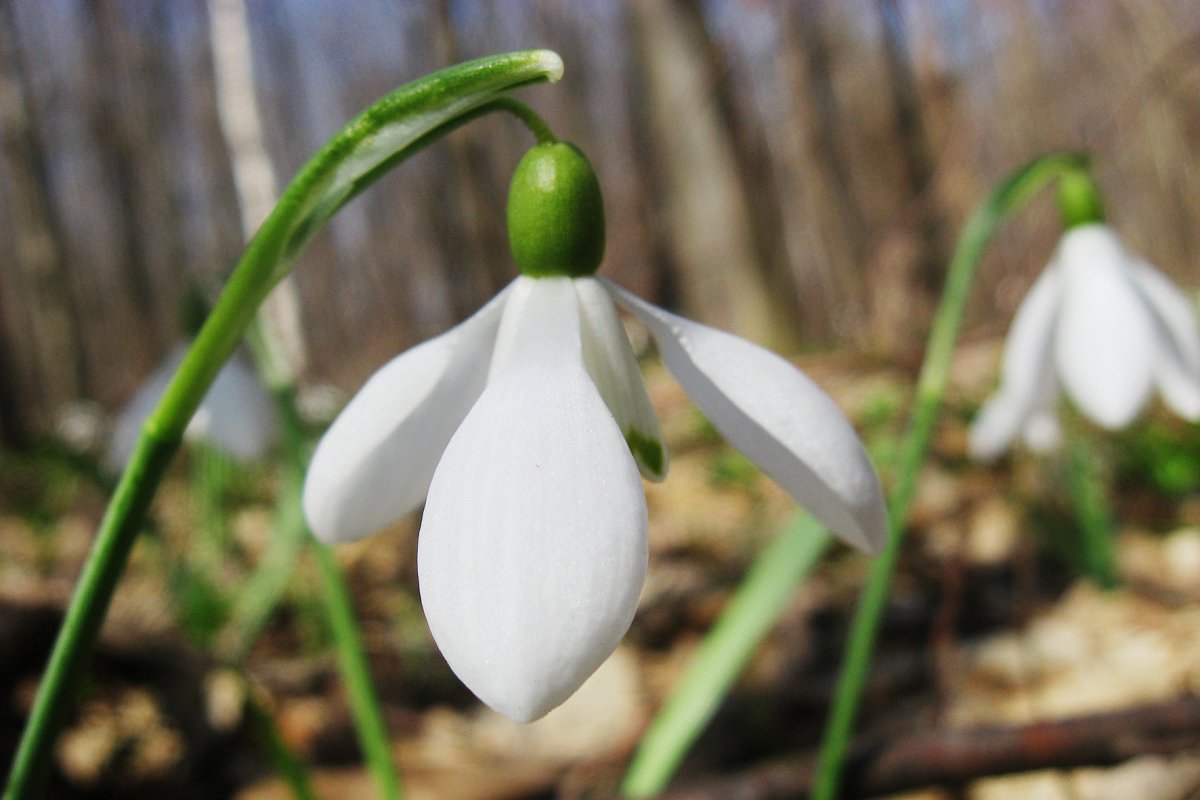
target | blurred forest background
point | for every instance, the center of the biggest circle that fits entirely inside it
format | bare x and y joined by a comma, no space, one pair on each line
795,171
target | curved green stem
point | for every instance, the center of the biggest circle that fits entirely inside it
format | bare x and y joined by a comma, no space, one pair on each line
384,134
747,619
530,118
1010,196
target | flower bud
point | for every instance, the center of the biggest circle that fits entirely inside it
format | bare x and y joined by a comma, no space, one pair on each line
555,213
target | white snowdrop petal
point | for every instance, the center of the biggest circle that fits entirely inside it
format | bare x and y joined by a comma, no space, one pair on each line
611,363
241,415
514,310
1042,432
997,424
777,417
532,551
1178,365
236,415
1106,343
129,422
375,462
1027,374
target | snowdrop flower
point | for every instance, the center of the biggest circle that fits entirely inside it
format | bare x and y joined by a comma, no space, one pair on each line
524,430
1105,326
237,414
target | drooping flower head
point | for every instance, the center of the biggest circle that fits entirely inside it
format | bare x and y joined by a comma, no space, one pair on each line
1101,324
524,430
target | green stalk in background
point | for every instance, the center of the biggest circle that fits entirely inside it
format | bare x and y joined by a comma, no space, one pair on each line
1088,490
271,579
386,133
352,660
287,766
748,617
1008,197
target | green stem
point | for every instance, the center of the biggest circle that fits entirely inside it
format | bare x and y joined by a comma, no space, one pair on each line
387,132
261,593
746,620
1009,196
364,703
1089,497
287,765
352,659
209,481
537,126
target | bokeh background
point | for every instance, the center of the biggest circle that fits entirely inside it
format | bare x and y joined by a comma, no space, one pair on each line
796,171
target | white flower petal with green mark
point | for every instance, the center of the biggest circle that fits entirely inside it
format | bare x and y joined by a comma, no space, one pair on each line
376,461
614,369
532,551
1027,372
1178,366
1105,345
777,417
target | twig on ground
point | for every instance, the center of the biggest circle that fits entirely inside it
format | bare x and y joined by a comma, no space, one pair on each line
955,757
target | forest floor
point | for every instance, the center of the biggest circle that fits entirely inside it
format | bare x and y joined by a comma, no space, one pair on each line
1000,672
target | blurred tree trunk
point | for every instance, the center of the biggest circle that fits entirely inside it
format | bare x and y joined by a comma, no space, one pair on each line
707,216
40,334
918,160
838,224
475,232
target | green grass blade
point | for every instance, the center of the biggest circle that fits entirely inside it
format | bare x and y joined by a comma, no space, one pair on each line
748,617
1008,197
352,658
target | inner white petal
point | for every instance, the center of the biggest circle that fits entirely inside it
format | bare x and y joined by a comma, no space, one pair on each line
532,550
611,363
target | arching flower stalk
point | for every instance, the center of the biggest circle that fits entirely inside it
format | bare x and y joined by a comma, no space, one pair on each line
524,430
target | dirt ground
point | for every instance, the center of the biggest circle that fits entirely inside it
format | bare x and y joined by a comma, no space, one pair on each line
989,631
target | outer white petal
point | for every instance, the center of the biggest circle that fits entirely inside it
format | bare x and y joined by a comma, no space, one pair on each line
777,417
240,415
1027,374
1043,433
133,415
237,415
1178,366
1106,343
375,462
532,551
614,369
